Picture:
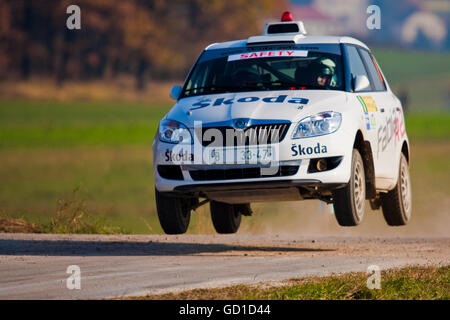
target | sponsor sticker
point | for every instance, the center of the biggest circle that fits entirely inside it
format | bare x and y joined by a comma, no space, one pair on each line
268,54
228,101
387,130
373,122
368,103
301,150
181,156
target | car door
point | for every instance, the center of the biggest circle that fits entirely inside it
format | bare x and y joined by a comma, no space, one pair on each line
384,119
369,102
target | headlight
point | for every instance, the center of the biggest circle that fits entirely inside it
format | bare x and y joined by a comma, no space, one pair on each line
318,125
172,131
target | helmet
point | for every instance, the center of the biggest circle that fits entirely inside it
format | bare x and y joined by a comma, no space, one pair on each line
322,71
328,62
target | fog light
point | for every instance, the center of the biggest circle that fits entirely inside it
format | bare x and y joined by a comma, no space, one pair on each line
321,165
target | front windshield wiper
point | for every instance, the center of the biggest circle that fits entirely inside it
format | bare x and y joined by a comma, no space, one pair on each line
292,85
265,85
310,86
223,88
279,82
256,85
212,88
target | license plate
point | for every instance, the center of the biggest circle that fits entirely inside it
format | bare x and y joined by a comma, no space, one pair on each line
240,155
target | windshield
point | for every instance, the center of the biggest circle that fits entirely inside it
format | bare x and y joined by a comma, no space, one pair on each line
267,68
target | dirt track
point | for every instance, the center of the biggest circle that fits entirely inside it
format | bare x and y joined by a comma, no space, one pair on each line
33,266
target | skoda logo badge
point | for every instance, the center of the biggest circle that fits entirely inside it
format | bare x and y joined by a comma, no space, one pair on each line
240,124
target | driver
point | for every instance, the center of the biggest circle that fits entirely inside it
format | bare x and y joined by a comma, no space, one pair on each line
322,75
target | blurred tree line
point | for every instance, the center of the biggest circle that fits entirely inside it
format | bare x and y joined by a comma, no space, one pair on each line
146,39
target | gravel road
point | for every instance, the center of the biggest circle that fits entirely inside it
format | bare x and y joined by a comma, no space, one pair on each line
34,266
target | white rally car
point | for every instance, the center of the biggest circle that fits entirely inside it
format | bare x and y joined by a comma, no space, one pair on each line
282,116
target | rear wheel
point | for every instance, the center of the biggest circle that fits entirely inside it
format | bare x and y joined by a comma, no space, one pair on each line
226,217
174,213
397,204
349,202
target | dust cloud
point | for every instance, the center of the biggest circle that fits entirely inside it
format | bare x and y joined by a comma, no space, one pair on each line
316,218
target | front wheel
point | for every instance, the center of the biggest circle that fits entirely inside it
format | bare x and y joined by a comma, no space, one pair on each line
349,202
174,213
226,217
397,204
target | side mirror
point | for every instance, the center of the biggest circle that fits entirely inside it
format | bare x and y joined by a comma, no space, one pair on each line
360,83
176,92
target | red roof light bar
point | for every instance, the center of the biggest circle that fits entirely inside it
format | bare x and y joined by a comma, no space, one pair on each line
287,16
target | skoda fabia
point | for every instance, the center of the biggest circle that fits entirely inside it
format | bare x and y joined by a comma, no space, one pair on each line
277,117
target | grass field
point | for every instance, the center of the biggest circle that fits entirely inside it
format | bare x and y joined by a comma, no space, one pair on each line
424,76
47,150
103,150
410,283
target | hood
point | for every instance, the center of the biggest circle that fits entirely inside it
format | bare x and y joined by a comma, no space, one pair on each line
273,105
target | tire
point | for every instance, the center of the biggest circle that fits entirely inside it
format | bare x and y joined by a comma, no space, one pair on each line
173,212
397,203
349,202
225,217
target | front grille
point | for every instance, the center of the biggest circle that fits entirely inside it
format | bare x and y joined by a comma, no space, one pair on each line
240,173
253,135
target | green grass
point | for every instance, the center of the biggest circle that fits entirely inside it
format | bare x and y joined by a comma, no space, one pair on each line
47,150
426,126
409,283
115,183
73,216
403,66
34,125
424,76
414,283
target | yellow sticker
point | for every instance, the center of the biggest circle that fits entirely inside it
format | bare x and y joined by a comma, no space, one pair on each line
370,103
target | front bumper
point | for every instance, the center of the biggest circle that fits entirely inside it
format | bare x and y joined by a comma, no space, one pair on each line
292,152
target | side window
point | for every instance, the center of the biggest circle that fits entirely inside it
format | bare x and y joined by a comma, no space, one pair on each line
356,65
377,78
